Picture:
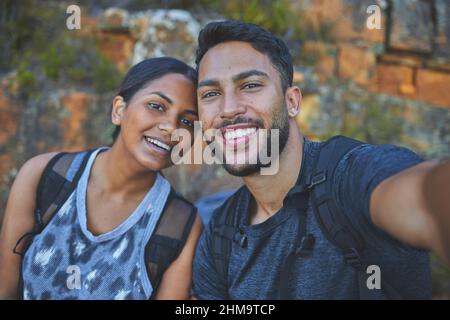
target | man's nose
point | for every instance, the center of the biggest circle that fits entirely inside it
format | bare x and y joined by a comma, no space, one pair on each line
231,107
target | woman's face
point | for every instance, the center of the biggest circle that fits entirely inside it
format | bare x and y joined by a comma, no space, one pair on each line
153,113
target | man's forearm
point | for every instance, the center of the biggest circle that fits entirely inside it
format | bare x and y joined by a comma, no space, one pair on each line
437,195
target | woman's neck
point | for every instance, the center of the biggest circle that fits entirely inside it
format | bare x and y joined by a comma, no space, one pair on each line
116,171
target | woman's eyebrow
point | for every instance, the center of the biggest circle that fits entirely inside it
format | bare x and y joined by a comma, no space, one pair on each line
162,95
195,113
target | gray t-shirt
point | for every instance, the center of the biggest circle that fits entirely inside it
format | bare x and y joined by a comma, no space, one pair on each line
254,270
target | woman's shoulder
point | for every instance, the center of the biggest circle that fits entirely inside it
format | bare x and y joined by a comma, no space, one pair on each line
33,168
19,217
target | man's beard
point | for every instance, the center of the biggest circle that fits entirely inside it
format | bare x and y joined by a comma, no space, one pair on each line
280,122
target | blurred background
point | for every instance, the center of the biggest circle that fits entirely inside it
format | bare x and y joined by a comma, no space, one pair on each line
386,85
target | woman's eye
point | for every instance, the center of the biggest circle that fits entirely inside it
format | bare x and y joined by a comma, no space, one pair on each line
187,122
155,106
251,85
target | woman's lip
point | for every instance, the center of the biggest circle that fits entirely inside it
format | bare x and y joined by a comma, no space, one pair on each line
156,149
169,143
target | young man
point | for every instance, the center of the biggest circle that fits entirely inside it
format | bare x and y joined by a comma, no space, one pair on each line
277,250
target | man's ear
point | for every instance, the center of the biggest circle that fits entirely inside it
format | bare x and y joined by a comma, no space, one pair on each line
293,98
118,109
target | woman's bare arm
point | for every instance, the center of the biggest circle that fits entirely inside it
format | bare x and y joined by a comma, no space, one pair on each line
176,281
18,220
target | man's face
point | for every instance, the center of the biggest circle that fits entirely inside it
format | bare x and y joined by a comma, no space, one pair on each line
240,92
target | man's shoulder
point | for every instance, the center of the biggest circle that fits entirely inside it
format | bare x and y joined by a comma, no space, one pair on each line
312,148
366,151
380,156
232,207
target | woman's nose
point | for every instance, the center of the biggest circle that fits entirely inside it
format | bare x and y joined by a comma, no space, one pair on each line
167,126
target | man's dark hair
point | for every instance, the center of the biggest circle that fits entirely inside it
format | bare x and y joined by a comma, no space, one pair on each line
141,74
262,40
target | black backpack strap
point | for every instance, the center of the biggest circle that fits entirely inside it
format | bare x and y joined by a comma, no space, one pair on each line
332,221
225,232
169,238
302,245
58,180
57,183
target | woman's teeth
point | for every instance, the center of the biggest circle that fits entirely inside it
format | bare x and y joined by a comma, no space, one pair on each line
238,133
158,143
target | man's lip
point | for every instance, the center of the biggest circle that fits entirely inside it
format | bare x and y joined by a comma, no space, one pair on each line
238,126
241,140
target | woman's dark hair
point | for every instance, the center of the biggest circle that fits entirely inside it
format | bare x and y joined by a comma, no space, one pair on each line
141,74
260,39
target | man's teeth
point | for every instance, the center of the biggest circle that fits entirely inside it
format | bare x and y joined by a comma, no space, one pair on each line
158,143
234,134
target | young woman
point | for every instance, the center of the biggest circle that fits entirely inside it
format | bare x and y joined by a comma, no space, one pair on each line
95,245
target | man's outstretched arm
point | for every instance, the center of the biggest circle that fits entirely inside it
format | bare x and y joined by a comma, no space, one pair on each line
437,195
414,207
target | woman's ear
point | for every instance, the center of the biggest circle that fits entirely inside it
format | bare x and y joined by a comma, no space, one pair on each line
118,109
293,99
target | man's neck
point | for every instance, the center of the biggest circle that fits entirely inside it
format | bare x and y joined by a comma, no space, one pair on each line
269,191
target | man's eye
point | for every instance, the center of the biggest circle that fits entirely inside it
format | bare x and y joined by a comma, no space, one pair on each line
251,85
210,94
187,122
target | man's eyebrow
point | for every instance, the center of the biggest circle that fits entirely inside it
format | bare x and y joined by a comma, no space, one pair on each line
239,76
162,95
207,83
249,73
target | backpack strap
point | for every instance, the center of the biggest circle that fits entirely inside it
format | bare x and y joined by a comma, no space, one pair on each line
169,237
334,224
60,177
226,232
302,246
57,182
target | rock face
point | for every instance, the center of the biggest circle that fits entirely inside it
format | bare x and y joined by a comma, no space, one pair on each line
389,84
409,56
395,77
412,25
165,33
357,64
78,118
442,39
129,38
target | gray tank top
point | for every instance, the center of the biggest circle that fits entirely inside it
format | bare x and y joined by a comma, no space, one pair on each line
66,261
